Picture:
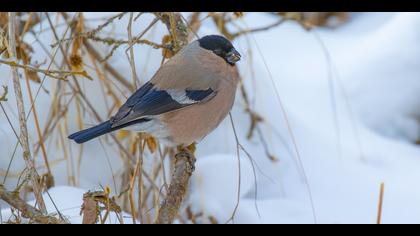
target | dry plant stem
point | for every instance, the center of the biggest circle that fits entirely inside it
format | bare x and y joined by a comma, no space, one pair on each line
193,24
77,89
154,177
96,54
28,211
381,200
131,56
131,191
107,66
102,26
137,40
247,31
38,129
94,203
116,43
238,147
184,167
140,186
334,107
55,74
30,163
291,133
89,209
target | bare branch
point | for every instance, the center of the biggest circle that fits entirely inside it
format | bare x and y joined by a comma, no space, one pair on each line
184,167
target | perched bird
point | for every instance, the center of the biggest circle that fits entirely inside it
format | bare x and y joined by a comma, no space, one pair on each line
185,100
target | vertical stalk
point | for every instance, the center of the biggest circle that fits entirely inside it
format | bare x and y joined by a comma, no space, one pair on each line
30,163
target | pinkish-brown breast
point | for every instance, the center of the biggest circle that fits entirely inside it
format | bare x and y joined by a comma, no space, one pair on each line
191,124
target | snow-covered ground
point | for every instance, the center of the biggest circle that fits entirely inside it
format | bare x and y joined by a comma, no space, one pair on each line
353,107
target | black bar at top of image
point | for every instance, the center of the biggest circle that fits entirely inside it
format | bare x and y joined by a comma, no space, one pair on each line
209,5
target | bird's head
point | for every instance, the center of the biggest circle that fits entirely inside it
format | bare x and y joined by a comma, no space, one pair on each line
220,46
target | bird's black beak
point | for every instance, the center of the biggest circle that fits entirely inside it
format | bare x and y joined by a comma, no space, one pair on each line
233,56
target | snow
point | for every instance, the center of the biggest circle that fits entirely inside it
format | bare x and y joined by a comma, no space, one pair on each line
373,73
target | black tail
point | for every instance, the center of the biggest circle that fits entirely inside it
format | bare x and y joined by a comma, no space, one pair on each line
91,133
99,130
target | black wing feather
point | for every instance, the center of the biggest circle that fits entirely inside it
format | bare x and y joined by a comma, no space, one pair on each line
156,102
198,95
150,101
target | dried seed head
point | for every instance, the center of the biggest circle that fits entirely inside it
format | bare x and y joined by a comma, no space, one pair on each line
76,62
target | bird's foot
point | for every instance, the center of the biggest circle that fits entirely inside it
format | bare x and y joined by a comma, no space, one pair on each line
188,153
190,148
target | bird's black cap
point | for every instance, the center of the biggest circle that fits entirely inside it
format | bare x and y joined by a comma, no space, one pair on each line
221,46
214,42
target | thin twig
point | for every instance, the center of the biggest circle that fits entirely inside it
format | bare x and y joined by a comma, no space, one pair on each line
77,89
89,47
10,124
291,133
255,30
131,191
102,26
56,74
36,120
130,48
334,107
238,155
107,67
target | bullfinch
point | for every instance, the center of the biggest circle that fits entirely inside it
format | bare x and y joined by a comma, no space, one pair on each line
186,99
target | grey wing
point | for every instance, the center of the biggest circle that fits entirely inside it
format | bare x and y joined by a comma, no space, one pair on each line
150,101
